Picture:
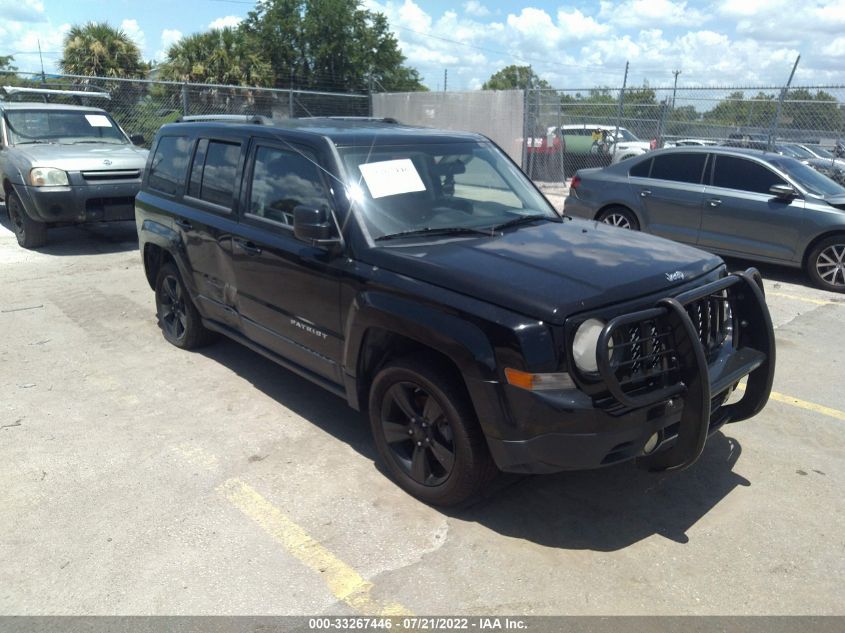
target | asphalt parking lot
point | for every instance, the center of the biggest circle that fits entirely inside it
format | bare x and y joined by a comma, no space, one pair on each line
141,479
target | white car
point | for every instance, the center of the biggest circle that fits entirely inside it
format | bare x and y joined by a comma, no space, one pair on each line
592,138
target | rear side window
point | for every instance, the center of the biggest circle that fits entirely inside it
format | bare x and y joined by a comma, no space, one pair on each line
282,180
214,172
641,170
170,164
679,167
732,172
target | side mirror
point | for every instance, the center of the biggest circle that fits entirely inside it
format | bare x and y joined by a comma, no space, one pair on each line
137,139
313,225
785,192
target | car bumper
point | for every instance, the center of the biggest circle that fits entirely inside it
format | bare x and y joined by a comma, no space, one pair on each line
81,203
569,430
577,208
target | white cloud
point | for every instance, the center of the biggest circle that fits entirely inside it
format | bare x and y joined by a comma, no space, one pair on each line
230,21
650,13
836,48
168,38
475,9
22,11
131,28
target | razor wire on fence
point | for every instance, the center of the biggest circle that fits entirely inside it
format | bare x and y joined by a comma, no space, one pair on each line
142,106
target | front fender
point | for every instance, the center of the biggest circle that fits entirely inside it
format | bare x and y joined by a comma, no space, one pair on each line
461,341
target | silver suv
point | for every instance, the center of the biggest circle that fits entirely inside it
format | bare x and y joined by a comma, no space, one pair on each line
65,165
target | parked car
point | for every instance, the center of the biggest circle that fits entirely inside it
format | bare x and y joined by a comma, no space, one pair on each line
741,203
600,141
421,276
748,141
683,142
64,164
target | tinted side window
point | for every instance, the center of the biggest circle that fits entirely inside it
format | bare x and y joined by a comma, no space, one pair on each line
679,167
169,165
196,168
220,173
641,170
738,173
281,180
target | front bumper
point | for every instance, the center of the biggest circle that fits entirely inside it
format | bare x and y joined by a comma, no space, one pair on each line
571,430
81,203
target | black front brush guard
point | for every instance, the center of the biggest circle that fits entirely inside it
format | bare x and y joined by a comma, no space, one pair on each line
754,356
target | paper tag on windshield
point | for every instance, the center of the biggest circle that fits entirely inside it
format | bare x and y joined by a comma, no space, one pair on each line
391,177
98,120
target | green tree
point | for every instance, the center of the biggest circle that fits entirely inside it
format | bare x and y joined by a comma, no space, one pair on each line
807,111
6,63
329,44
515,78
99,49
224,56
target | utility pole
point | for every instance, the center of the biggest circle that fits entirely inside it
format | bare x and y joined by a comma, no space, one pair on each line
445,78
675,87
776,123
619,112
43,77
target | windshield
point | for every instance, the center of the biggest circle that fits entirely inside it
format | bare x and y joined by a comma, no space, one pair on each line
625,135
822,152
808,178
62,126
445,188
796,151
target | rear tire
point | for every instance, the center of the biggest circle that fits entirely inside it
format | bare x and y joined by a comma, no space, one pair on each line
426,433
619,217
178,318
826,264
29,233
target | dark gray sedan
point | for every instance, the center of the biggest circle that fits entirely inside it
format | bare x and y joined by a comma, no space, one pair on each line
731,201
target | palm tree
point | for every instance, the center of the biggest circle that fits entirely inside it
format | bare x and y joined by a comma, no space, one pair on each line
224,56
98,49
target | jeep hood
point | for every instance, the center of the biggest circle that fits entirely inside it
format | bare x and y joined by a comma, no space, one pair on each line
549,271
83,156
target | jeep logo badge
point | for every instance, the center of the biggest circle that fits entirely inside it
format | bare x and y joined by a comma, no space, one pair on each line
675,276
107,162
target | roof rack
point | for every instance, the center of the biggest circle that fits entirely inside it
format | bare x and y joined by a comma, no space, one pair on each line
13,90
231,118
372,119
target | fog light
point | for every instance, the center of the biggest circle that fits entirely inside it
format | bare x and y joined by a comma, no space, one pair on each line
651,443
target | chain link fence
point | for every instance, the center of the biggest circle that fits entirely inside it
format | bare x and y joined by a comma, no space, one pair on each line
571,129
143,106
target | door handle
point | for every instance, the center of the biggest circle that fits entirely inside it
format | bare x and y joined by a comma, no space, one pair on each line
184,224
645,193
248,247
714,202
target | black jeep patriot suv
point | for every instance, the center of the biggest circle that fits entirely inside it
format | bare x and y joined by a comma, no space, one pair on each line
420,275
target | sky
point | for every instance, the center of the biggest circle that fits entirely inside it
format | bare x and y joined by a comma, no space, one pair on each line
571,45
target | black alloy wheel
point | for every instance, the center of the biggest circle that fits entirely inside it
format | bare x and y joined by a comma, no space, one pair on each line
418,433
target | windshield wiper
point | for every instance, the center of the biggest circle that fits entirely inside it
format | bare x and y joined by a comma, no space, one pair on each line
523,219
433,230
103,142
36,141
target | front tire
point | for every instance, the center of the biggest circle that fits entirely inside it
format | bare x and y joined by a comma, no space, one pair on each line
620,217
29,233
826,264
178,318
427,435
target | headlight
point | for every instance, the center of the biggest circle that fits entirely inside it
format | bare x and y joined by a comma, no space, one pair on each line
47,177
585,343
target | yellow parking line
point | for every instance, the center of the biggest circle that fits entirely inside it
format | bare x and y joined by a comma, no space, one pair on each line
818,302
802,404
343,581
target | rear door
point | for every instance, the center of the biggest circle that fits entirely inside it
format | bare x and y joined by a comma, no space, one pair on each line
212,197
741,217
671,194
287,290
